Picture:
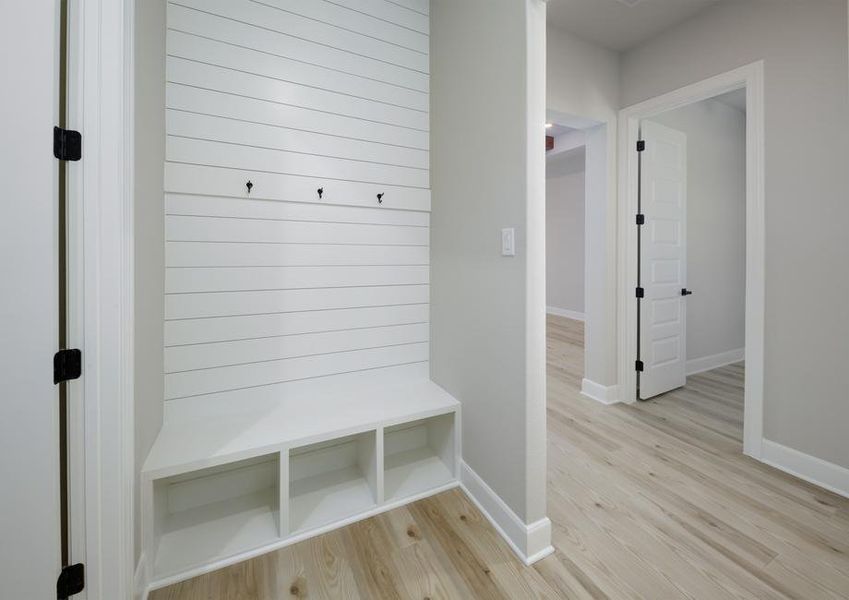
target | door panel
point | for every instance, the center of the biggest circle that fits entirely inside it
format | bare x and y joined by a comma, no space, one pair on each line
29,423
663,259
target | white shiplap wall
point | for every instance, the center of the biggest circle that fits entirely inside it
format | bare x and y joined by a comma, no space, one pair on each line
278,284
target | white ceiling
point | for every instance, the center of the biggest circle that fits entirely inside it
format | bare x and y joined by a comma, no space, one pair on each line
616,25
735,99
556,130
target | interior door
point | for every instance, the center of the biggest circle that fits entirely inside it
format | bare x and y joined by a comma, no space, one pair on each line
30,554
663,259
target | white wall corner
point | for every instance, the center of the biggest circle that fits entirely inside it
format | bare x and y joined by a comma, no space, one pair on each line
814,470
530,542
565,312
606,394
141,580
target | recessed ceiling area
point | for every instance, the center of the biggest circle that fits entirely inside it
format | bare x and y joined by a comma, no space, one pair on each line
557,130
621,24
735,99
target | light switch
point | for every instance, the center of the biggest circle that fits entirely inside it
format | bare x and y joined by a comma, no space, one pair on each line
508,242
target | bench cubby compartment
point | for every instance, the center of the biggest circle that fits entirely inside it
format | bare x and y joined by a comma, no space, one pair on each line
419,456
332,480
214,513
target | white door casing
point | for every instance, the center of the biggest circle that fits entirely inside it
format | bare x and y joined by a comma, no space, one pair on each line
663,259
29,401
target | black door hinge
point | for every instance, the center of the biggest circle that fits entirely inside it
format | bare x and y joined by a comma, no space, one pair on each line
67,365
71,581
641,219
67,144
638,365
641,145
641,292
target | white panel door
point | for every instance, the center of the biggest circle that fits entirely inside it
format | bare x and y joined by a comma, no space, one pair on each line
663,260
29,425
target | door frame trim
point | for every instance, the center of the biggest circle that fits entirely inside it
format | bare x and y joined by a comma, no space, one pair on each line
749,77
100,295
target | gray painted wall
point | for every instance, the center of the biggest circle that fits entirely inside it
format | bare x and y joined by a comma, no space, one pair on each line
583,82
149,232
804,48
716,225
484,177
564,232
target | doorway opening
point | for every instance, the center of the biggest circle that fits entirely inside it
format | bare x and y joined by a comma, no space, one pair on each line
565,266
579,265
691,248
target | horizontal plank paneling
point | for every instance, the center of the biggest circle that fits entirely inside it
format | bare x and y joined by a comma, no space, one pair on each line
315,32
213,77
198,179
251,23
246,60
189,306
205,127
220,354
218,154
193,383
238,106
226,229
220,329
273,281
205,254
420,6
300,54
187,205
381,20
385,11
227,279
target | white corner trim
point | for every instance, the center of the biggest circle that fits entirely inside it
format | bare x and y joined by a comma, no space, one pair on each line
100,297
714,361
530,542
814,470
141,580
605,394
565,312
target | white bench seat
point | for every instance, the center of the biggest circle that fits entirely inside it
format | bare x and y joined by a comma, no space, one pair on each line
210,430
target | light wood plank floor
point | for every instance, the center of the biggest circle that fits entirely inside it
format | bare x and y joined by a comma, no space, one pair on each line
648,501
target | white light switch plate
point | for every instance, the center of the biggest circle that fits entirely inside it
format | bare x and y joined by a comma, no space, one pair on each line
508,242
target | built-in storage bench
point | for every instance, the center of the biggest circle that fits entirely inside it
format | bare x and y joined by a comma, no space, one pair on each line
232,479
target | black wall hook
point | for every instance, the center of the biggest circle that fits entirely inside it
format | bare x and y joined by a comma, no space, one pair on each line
320,192
380,198
249,185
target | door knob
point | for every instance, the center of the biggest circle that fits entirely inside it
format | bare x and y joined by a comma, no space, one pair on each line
685,292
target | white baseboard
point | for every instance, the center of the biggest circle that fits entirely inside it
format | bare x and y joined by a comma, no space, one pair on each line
530,542
714,361
600,393
141,580
814,470
565,312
